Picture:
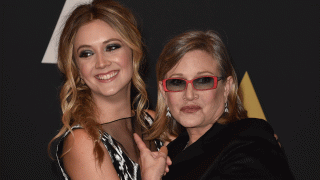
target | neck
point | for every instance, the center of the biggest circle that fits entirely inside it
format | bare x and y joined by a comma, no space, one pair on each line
114,107
196,133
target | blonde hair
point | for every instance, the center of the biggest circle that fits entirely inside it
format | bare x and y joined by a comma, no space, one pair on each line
76,101
173,51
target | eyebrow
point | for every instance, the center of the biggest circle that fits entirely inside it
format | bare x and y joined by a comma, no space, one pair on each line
104,42
205,72
199,73
177,74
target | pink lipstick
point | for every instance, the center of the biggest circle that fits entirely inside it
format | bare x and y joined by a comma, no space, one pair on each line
105,77
190,109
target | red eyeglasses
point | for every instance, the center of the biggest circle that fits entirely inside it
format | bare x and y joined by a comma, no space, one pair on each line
199,83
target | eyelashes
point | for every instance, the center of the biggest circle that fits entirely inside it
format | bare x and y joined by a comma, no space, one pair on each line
112,47
86,53
109,48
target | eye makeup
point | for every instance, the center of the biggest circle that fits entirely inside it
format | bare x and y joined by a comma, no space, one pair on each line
112,47
86,53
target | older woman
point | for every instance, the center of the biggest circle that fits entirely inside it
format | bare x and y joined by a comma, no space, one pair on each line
199,102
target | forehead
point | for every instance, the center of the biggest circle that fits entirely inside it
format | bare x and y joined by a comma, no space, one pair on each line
195,63
94,31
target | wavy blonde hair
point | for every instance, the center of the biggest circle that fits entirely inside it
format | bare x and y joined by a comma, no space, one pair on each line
76,101
173,51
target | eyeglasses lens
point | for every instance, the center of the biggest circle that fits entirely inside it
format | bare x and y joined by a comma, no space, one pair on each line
201,83
175,84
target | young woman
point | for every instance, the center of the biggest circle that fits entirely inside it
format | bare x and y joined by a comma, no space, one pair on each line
100,54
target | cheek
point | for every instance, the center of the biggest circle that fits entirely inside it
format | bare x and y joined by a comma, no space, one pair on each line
125,62
213,98
127,65
125,59
174,101
83,69
214,101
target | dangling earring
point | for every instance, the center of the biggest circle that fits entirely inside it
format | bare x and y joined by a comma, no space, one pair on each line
168,113
226,110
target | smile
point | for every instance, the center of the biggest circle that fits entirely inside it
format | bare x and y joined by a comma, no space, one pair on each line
190,109
107,76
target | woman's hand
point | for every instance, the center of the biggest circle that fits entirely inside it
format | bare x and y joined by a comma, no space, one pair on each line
153,165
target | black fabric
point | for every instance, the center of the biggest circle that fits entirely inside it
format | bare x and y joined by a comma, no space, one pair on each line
245,149
122,131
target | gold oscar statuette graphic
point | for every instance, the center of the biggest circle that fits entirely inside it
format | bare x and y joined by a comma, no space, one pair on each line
250,99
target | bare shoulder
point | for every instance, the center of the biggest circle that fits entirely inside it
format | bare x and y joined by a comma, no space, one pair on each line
76,139
152,113
80,161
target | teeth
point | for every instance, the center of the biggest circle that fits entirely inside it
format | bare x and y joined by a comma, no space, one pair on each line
107,76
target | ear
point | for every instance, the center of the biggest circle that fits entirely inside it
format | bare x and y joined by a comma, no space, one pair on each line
227,87
163,93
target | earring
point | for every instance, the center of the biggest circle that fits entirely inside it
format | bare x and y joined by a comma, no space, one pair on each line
226,110
168,113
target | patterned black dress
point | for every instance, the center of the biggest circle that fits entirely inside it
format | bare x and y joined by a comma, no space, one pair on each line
118,140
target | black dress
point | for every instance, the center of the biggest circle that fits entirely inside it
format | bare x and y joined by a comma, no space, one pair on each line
245,149
118,140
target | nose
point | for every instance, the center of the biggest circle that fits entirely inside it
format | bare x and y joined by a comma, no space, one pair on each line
102,61
190,93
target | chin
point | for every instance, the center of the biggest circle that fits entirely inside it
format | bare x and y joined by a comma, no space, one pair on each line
108,93
111,93
189,123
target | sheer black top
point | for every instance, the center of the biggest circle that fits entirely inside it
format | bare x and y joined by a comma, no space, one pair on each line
117,137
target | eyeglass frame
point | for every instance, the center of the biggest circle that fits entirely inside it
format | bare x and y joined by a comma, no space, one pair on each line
215,78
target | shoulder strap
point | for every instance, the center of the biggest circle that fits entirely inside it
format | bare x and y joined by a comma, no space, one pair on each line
149,119
59,149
